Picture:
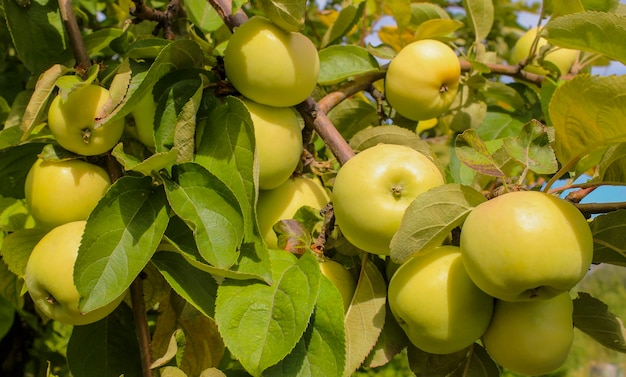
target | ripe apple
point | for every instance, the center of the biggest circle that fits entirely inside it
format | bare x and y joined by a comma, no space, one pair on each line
143,115
284,201
270,65
49,277
373,189
422,79
72,121
58,192
526,245
278,138
342,278
531,337
435,302
563,58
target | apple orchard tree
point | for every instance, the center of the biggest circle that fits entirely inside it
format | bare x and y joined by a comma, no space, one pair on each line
172,167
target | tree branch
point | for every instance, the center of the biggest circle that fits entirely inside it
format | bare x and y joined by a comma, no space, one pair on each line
73,31
143,12
589,209
141,325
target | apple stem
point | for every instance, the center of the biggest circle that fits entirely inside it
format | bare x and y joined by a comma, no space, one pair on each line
51,300
86,135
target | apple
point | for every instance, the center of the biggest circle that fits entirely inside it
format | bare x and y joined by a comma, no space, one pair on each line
562,58
341,278
143,115
278,137
72,121
58,192
284,201
526,245
436,303
422,79
49,277
531,337
373,189
270,65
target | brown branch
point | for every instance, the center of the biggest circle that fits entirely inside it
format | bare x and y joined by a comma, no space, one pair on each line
143,12
141,324
515,71
363,82
224,9
77,43
589,209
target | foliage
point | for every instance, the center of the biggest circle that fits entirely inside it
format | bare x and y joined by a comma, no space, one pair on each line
178,230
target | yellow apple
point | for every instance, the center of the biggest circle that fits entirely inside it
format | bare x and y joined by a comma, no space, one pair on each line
422,80
341,278
526,245
278,137
58,192
373,189
437,305
270,65
563,58
143,116
531,337
72,121
49,277
284,201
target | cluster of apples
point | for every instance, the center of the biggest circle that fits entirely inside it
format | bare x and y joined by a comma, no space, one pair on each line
60,194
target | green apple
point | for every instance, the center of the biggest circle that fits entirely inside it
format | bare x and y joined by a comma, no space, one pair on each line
270,65
526,245
143,116
58,192
284,201
373,189
531,337
49,277
72,121
563,58
278,137
341,278
422,79
435,302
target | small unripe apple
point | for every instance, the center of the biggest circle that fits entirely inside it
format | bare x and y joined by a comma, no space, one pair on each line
270,65
49,277
531,337
143,115
563,58
436,303
341,278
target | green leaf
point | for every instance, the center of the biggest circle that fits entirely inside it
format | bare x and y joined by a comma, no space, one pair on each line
421,12
593,317
499,125
198,287
365,317
338,63
480,15
121,234
612,166
14,215
203,346
590,31
7,314
588,113
353,115
107,348
321,350
608,237
286,14
17,246
430,218
473,152
210,209
391,342
262,323
438,28
37,32
226,148
425,364
371,136
348,17
15,163
202,16
401,11
532,148
150,165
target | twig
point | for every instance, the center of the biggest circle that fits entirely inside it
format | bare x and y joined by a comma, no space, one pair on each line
507,70
589,209
73,31
143,12
224,9
141,324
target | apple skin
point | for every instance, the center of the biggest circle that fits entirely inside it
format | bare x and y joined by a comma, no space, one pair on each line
435,302
49,277
284,201
373,189
531,337
422,79
72,121
563,58
341,278
270,65
58,192
526,245
278,139
143,114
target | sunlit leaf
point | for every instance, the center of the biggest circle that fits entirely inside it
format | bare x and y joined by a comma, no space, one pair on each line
371,136
532,148
286,14
473,152
612,166
480,15
348,18
338,63
17,246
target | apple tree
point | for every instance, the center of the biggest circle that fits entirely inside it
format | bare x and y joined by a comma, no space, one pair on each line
323,188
